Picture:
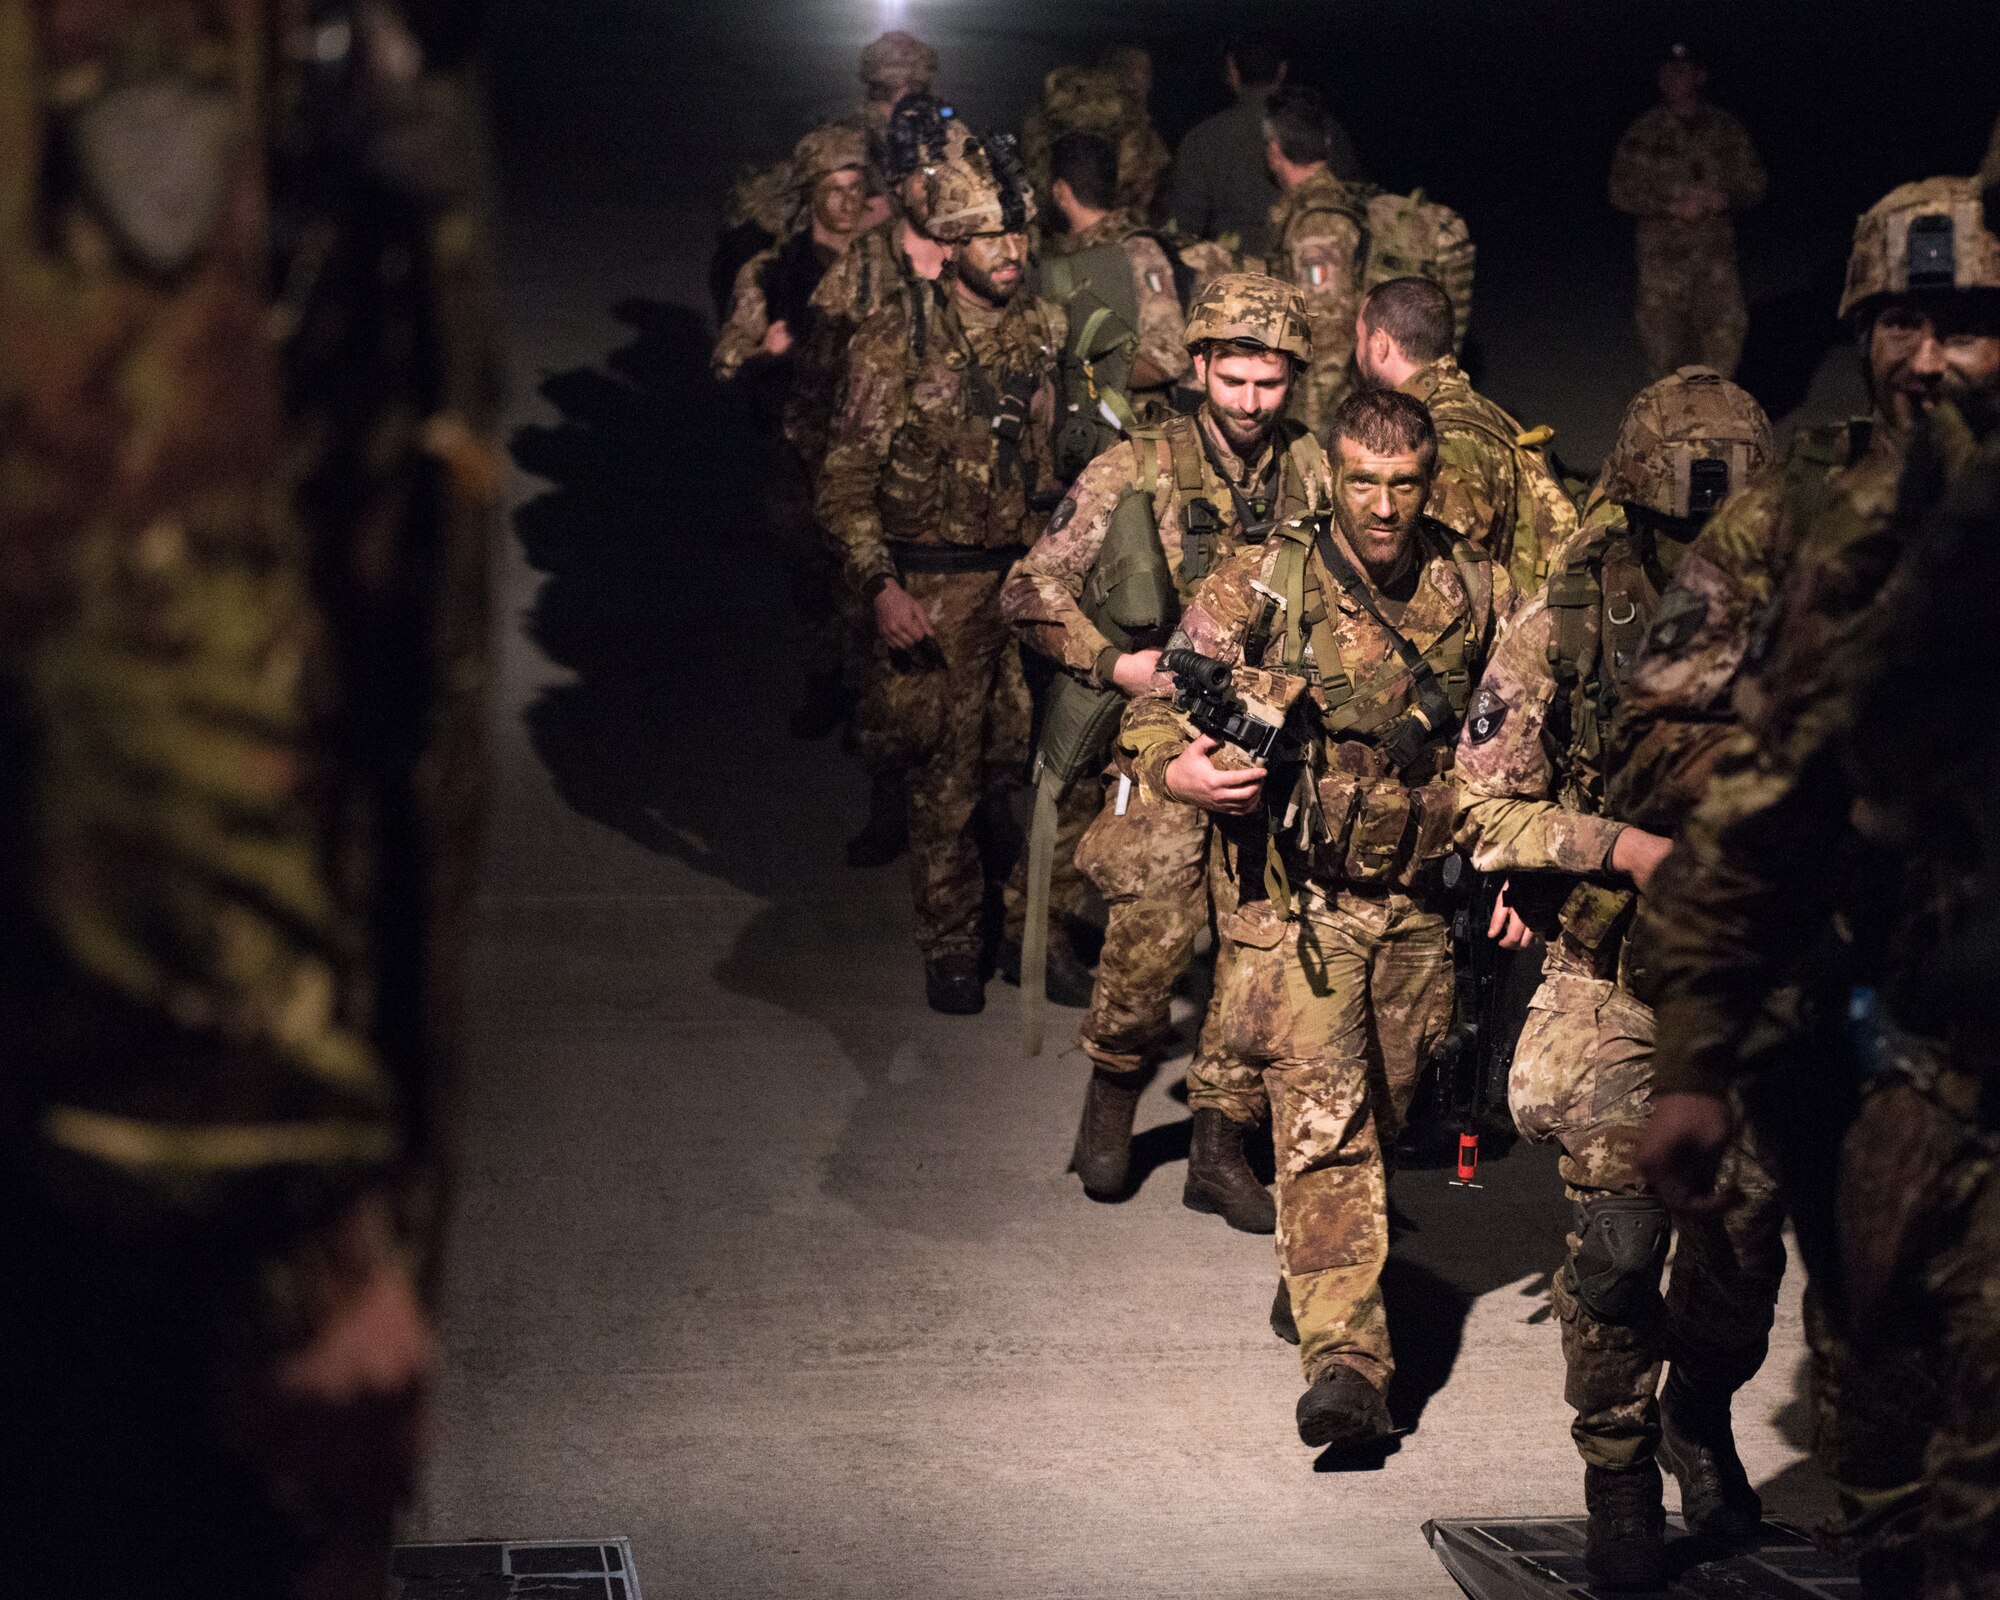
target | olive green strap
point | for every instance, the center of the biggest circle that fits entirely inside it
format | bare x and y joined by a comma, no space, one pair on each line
1035,932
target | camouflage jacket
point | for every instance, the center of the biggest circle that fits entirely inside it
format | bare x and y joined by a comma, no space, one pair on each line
1041,594
1492,485
871,273
242,628
1681,702
1530,773
1765,882
1345,816
1316,243
775,285
913,455
1094,100
1661,157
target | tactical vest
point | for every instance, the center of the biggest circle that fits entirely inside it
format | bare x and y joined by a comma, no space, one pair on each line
1350,815
1130,594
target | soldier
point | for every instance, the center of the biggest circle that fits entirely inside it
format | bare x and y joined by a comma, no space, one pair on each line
1494,482
764,204
1531,780
246,485
939,445
1199,487
1682,169
1333,977
1315,242
769,317
1143,157
1102,101
1747,944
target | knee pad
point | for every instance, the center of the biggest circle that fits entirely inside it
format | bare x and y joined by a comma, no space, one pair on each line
1614,1272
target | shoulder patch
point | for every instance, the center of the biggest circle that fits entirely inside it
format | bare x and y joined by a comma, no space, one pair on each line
1675,624
1487,716
1064,513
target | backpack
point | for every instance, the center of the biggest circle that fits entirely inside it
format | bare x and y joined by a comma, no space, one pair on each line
1409,236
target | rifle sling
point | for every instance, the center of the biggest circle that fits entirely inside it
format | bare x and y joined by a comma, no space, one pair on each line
1344,574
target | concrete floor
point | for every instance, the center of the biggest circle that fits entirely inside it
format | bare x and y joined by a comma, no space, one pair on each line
762,1264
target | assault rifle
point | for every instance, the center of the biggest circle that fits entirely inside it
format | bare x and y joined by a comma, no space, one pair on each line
1249,716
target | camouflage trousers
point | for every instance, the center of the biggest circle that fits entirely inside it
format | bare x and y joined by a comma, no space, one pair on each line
831,629
1918,1227
1150,863
1330,1017
954,720
1583,1077
1690,307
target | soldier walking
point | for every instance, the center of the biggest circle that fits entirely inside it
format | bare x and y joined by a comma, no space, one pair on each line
1363,633
940,443
1683,170
1149,520
1531,774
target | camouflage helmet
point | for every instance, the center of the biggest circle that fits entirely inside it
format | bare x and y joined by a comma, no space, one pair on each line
1929,235
1251,308
898,58
1686,444
1087,99
978,190
827,150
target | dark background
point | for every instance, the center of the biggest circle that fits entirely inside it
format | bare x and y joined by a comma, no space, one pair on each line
1508,112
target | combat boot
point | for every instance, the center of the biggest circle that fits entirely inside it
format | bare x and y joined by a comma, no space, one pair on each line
1283,1323
886,833
1219,1179
823,709
952,985
1103,1154
1699,1448
1066,980
1344,1409
1625,1544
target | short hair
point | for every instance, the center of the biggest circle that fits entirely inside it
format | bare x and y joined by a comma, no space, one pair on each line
1384,421
1297,119
1416,313
1258,59
1088,163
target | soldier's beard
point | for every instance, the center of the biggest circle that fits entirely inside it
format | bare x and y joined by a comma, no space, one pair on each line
1380,548
982,286
1245,431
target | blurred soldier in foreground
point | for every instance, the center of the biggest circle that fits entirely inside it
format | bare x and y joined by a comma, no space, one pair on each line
241,667
1358,637
770,318
1221,186
1531,777
1682,169
1494,483
939,446
1149,520
1110,103
765,204
1767,925
1317,229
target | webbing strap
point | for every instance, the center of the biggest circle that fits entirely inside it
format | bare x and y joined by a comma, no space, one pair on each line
1091,324
1035,932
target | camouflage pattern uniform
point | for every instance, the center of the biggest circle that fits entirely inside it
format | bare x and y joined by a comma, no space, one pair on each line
1316,239
1531,780
1750,673
1690,304
917,478
242,661
792,273
1162,326
1097,100
1150,861
1494,483
1333,993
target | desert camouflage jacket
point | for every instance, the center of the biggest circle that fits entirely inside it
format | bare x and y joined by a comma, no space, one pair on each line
1316,244
1491,485
1040,597
913,454
1661,156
